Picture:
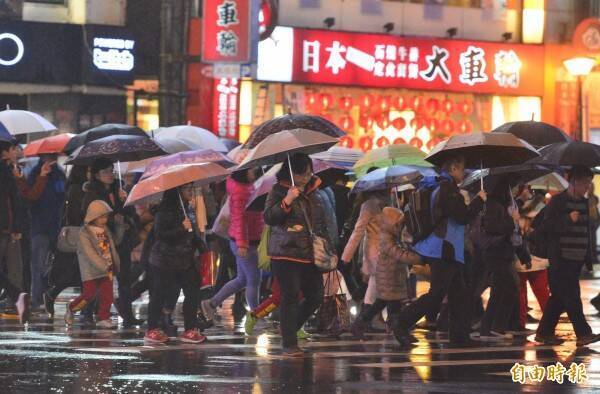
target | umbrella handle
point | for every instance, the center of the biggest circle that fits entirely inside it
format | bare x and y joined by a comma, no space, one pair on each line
291,173
481,178
183,208
120,176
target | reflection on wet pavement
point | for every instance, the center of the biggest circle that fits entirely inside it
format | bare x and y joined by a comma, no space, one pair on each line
46,357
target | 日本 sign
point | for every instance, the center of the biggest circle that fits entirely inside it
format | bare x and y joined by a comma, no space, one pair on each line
227,31
356,59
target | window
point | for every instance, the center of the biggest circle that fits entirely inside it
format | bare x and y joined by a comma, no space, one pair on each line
59,2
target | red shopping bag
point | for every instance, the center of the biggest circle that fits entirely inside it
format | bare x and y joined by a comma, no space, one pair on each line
207,269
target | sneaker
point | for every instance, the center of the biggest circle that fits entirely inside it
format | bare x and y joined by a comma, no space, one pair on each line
294,352
402,336
521,332
301,334
358,329
551,340
22,306
208,310
69,317
588,340
192,336
105,324
250,323
502,334
156,336
49,304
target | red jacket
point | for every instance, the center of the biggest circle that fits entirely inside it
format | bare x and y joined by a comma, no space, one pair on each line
245,226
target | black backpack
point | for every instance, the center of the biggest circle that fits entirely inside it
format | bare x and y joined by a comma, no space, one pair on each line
538,238
418,213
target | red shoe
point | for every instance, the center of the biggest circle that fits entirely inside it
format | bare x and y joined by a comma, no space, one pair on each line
156,336
192,336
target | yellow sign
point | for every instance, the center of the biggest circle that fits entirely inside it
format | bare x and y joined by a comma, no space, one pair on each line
556,373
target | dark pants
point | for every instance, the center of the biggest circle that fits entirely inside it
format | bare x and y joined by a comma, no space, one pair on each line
11,267
565,295
504,296
393,309
125,280
447,278
164,284
295,278
63,273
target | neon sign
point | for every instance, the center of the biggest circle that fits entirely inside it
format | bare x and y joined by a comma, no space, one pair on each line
113,54
20,49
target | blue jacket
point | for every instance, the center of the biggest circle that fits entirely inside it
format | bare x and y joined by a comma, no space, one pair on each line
46,211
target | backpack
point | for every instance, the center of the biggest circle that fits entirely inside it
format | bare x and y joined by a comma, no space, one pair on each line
420,218
538,238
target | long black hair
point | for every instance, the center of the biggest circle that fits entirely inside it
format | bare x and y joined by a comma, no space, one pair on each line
241,176
300,164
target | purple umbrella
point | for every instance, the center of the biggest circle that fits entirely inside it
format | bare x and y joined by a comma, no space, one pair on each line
188,157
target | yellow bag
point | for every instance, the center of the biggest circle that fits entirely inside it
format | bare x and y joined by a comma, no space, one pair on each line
264,261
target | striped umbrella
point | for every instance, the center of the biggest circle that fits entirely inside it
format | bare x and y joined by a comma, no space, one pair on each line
17,122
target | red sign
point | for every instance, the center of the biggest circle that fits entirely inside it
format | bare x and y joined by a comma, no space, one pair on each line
225,113
227,31
378,60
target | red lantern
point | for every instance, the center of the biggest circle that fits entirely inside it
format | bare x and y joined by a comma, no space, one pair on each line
366,122
399,123
346,142
383,121
433,105
366,102
448,127
384,103
399,141
465,126
448,106
311,100
432,143
416,142
417,123
418,103
433,125
365,143
466,107
346,103
382,141
326,101
399,103
346,123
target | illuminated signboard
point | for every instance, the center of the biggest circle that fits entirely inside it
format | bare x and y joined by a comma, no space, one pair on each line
114,54
377,60
11,60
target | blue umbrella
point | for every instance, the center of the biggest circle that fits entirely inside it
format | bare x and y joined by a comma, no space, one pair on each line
5,135
388,177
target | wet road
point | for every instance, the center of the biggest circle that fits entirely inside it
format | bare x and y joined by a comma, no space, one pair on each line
46,357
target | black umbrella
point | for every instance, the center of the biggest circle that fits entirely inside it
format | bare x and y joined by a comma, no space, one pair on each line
521,173
118,148
572,153
102,131
291,122
537,134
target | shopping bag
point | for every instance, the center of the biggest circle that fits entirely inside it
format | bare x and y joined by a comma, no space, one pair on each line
221,224
207,269
333,317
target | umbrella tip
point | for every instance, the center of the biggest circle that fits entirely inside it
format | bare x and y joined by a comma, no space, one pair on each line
189,122
532,116
7,107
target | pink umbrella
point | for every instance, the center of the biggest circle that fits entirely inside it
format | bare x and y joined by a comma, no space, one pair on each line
161,164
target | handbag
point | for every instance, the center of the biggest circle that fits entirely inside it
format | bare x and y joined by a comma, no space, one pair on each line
264,261
221,224
68,239
325,258
333,317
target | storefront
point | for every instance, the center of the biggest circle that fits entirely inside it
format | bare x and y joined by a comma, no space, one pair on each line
385,89
73,75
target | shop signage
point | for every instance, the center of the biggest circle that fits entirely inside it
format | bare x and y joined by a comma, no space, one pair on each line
225,114
19,49
114,54
586,36
229,30
356,59
109,58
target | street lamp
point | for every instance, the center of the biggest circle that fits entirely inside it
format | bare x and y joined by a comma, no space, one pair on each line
580,67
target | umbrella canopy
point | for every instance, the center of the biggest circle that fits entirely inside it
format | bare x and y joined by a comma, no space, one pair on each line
291,122
391,155
229,143
552,182
175,146
49,145
572,153
521,173
116,148
537,134
276,147
339,155
102,131
386,178
150,190
17,122
160,164
199,137
483,150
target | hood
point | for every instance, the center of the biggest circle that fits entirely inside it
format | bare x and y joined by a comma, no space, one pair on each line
96,209
391,218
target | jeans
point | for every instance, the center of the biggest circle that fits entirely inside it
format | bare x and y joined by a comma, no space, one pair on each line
565,295
11,267
504,296
295,278
447,278
248,276
40,246
164,283
103,289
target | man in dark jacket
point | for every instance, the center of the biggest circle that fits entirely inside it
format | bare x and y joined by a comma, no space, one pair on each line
567,224
11,229
444,251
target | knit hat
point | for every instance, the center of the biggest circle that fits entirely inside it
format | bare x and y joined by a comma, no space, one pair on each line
100,164
96,209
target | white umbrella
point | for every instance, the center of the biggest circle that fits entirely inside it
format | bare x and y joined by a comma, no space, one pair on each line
24,122
171,145
339,154
551,182
202,138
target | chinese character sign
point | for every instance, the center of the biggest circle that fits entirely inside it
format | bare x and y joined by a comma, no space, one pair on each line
229,30
357,59
225,114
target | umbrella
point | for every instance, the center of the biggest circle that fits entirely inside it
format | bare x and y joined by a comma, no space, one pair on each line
291,122
160,164
537,134
551,182
102,131
279,146
116,148
391,155
49,145
175,146
24,122
229,143
199,137
343,156
5,136
150,190
572,153
521,173
386,178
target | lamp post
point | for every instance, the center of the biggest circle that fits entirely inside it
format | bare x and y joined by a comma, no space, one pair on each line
580,67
